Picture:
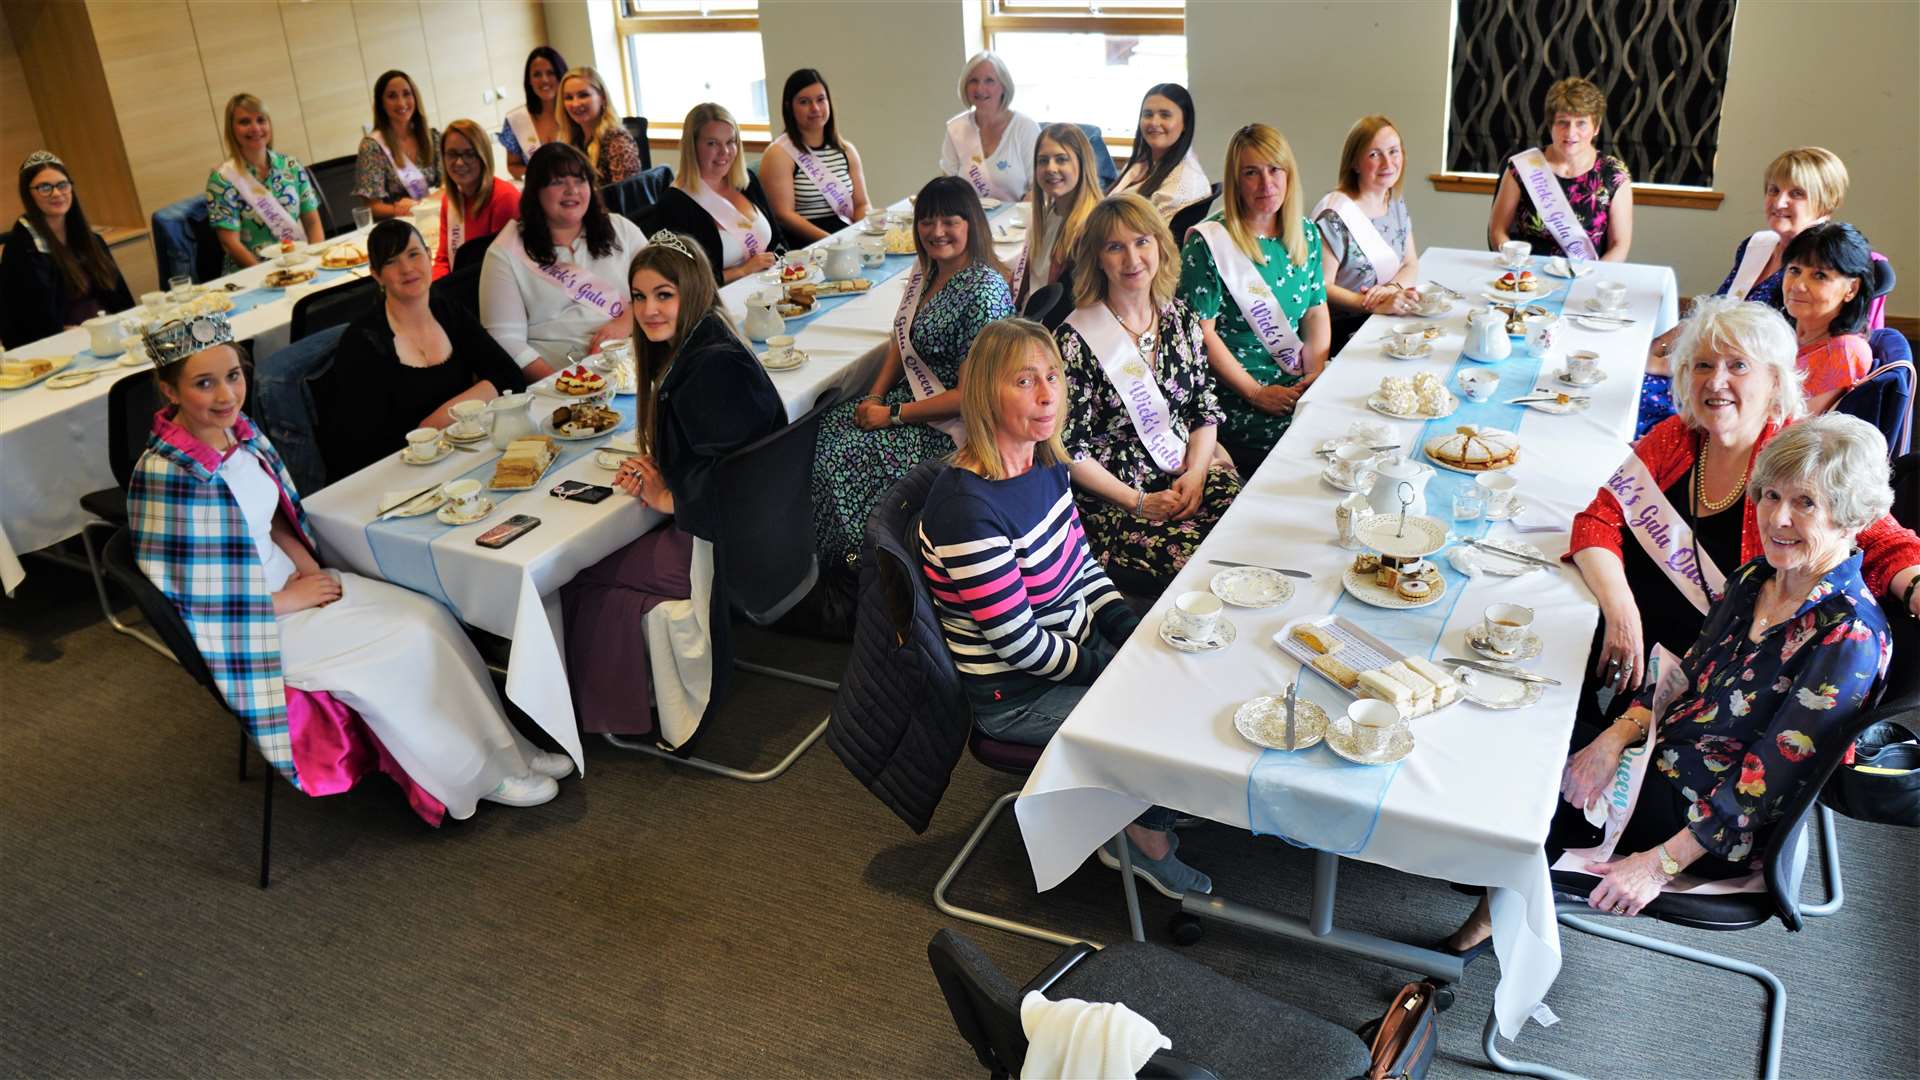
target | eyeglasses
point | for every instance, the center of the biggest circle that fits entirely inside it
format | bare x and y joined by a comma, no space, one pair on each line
462,155
57,187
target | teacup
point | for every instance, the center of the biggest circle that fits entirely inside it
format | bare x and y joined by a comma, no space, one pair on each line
1583,365
1478,384
1196,616
1611,294
1372,723
1402,343
1507,626
153,301
1543,334
422,444
780,348
1514,253
873,251
1497,490
106,336
1351,463
464,495
1434,303
466,418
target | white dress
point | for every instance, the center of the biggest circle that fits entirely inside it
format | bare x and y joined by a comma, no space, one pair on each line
396,658
1185,185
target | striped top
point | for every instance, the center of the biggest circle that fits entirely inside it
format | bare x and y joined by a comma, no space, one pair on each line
1017,591
808,202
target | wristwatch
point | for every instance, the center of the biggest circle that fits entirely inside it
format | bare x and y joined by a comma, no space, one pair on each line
893,415
1668,864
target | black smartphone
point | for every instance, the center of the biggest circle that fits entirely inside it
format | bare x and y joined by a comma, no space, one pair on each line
508,531
580,491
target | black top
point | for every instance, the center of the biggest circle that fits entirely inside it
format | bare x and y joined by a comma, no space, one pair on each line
715,400
33,294
377,399
1666,616
676,210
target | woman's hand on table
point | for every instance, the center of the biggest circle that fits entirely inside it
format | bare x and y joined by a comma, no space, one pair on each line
1392,298
1620,664
1626,884
1161,505
756,263
871,415
1276,400
311,589
1589,773
611,330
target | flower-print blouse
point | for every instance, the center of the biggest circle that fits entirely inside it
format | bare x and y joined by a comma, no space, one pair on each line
1098,424
286,180
1742,736
376,180
1590,194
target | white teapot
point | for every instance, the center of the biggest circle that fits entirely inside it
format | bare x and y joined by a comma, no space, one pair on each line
763,321
1487,335
1389,494
843,261
507,416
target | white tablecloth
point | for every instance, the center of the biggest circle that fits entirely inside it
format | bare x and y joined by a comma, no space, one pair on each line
1473,801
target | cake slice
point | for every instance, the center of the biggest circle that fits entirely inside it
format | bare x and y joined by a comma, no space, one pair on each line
1374,684
1315,638
1337,671
1447,688
1421,690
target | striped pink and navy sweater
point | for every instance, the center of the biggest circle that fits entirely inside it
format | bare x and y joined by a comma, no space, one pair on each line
1018,592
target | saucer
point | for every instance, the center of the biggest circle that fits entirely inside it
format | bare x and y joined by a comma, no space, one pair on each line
1224,638
481,435
1263,722
1343,485
440,449
1514,510
1601,325
1420,352
1598,378
1340,741
1477,641
1251,587
1594,305
452,517
794,359
1493,692
1559,267
1554,408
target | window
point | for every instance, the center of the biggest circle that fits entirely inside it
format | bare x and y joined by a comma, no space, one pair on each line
680,53
1087,61
1664,86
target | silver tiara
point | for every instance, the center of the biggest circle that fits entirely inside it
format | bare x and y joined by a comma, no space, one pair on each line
39,158
174,340
672,241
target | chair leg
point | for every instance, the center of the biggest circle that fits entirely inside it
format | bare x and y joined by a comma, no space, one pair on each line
100,588
1830,865
980,917
1776,1024
266,823
789,676
717,769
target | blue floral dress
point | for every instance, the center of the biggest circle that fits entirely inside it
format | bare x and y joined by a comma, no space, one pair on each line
286,181
853,468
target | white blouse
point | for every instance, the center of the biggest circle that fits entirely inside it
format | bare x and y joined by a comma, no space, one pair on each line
259,497
1011,163
1185,185
528,316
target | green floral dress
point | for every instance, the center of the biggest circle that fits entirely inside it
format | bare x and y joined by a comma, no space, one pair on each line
1297,288
853,468
286,180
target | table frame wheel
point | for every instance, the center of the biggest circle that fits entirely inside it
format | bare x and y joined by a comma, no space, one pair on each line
1185,929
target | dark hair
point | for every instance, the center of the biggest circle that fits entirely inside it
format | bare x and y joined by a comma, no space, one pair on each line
552,56
1169,161
797,82
950,196
685,265
553,161
417,127
388,239
82,258
1839,247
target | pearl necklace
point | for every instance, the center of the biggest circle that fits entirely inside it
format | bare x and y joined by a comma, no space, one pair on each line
1700,482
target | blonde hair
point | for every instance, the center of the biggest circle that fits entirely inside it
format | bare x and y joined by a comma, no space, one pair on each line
1576,96
234,104
1258,143
588,141
1000,349
416,127
999,66
477,139
1818,171
1359,137
1078,203
1134,214
1755,332
697,119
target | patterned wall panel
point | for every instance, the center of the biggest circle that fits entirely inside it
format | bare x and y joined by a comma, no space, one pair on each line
1662,64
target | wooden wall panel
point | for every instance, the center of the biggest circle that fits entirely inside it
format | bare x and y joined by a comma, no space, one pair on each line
457,48
159,92
335,100
19,127
513,30
391,38
243,49
54,42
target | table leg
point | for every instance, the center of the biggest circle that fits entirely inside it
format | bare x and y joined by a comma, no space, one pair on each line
1127,886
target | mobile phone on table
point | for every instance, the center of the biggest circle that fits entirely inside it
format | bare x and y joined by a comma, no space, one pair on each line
580,491
508,531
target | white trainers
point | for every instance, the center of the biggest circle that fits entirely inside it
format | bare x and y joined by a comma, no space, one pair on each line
558,766
529,790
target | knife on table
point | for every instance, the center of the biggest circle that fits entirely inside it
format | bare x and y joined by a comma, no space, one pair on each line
1515,555
1257,566
408,501
1515,675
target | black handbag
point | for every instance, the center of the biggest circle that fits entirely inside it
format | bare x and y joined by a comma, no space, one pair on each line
1881,781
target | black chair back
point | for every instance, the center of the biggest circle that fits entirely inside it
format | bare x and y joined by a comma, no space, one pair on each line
984,1002
637,127
333,184
1906,490
131,402
1051,305
633,197
335,306
1191,215
462,287
1103,164
1884,398
320,195
1043,300
473,252
765,541
160,613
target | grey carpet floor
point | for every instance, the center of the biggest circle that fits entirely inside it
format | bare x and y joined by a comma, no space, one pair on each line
655,921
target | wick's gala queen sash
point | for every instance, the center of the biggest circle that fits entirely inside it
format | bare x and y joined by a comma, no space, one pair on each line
728,217
1543,188
577,282
973,160
1124,367
271,212
1760,247
410,175
1258,306
837,196
921,381
1664,534
1380,254
524,131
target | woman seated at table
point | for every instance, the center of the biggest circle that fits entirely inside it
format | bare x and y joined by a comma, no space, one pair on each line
548,291
1588,195
538,121
1141,415
1257,263
296,649
399,163
1802,188
989,145
407,361
1830,281
911,410
703,395
1029,616
475,204
1367,253
54,272
258,194
1066,186
716,199
1162,168
815,185
590,123
1786,659
1692,505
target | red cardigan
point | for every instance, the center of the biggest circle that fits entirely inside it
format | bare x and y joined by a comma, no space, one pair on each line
1668,451
502,206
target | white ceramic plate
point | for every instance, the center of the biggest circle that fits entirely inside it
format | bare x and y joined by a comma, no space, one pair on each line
1337,483
1422,537
1340,741
1555,408
1539,290
21,382
1598,378
990,204
547,428
1601,325
1365,590
1559,267
446,513
1223,637
1477,641
1421,351
1438,439
1494,564
427,505
1494,692
440,449
1378,404
798,357
1252,587
1263,722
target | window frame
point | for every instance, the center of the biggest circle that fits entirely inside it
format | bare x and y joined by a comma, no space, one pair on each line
1142,21
666,134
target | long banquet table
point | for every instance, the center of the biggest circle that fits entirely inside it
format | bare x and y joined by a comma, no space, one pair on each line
1473,800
